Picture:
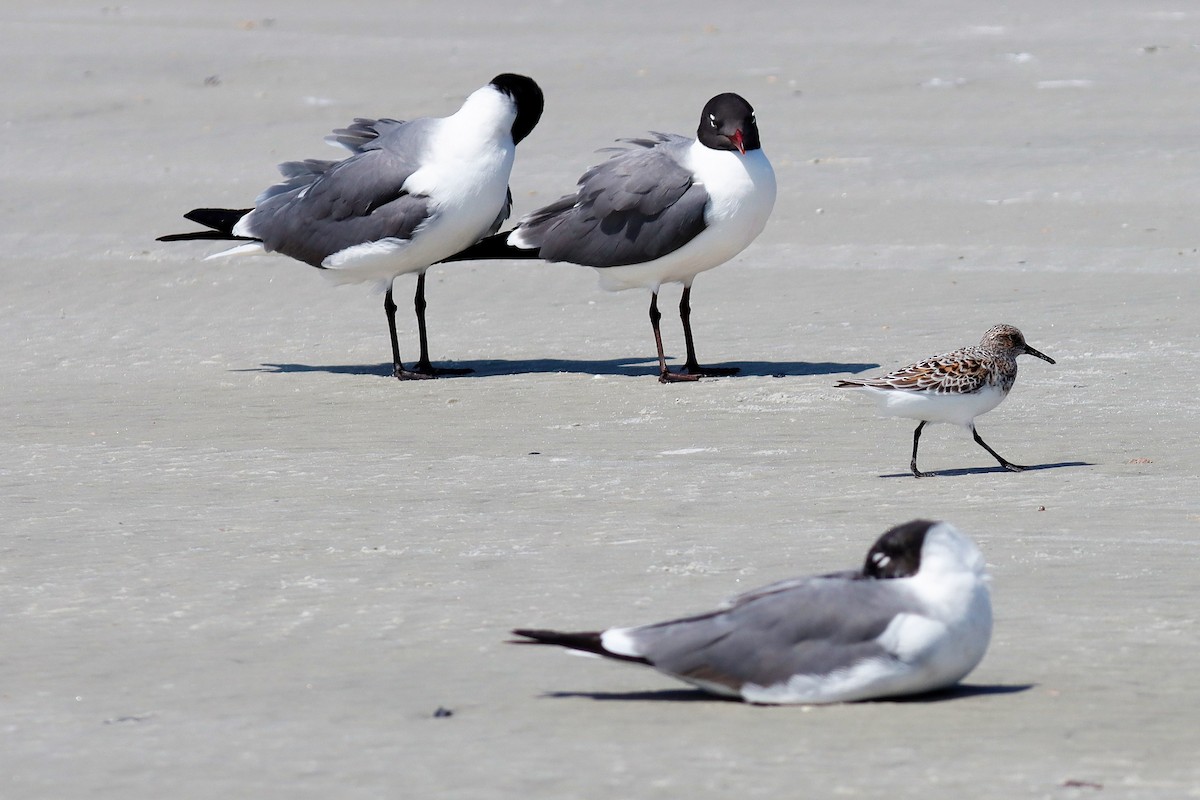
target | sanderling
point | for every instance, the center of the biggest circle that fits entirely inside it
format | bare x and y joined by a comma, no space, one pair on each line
915,618
954,388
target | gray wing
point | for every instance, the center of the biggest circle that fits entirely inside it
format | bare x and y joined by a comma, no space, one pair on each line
789,583
810,626
323,207
637,206
363,133
296,175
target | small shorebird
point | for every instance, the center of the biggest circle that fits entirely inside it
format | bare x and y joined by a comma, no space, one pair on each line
954,388
661,211
917,617
411,194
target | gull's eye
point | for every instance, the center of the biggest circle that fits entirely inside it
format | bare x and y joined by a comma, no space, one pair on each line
712,120
753,121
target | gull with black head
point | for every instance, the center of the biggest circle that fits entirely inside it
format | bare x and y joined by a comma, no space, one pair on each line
915,618
409,195
662,210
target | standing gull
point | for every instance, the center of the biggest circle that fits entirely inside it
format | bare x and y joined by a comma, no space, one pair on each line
955,388
410,194
661,211
917,617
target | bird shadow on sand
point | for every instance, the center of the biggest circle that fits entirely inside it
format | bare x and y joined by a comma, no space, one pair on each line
957,692
952,473
614,366
660,696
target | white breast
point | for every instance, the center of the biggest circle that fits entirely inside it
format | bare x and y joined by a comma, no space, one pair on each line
465,176
955,409
741,188
741,195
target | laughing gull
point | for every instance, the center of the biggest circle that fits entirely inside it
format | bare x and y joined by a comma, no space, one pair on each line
954,388
917,617
661,211
410,194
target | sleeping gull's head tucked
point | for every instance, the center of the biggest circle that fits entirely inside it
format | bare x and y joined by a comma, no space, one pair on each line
915,618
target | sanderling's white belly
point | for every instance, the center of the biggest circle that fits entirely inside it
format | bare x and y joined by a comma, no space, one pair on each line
955,409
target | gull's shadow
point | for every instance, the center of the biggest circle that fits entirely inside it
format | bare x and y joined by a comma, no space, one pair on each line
780,369
956,692
951,473
661,695
633,367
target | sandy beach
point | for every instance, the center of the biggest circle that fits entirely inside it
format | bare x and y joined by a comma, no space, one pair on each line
240,559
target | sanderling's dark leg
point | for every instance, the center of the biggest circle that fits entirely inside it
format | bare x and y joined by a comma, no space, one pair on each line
1008,465
913,464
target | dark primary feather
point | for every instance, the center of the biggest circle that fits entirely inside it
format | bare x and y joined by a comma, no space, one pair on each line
637,206
219,220
198,235
493,247
587,642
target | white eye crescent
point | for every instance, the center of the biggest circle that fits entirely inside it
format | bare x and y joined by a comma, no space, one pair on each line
712,120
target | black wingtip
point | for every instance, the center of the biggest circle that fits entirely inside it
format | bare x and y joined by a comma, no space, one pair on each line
492,248
219,219
218,235
588,641
585,642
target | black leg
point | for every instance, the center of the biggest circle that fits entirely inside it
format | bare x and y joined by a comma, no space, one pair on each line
685,316
692,365
389,308
1008,465
424,367
664,375
423,364
913,464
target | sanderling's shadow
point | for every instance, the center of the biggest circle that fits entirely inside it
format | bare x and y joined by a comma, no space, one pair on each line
615,366
957,692
952,473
